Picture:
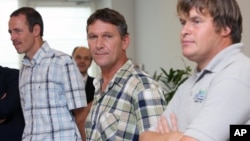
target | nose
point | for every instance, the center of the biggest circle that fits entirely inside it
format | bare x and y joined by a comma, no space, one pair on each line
82,59
185,29
12,36
99,43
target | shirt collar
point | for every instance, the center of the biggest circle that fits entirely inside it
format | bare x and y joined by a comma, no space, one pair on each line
41,53
221,60
123,72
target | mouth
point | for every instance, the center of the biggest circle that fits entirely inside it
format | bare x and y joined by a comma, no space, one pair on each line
186,43
16,43
82,65
100,53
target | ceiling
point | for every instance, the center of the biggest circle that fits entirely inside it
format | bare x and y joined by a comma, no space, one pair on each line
78,2
64,0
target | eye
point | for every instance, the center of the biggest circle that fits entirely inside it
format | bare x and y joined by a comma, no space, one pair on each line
183,22
87,58
107,36
78,57
196,21
92,36
18,31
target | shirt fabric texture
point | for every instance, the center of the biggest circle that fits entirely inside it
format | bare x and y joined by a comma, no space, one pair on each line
131,103
50,87
215,98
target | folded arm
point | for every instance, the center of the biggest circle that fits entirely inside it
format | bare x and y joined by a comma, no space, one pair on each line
165,132
2,120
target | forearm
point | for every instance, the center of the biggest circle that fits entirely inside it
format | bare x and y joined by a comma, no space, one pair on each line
170,136
1,110
2,121
81,130
150,136
165,133
80,120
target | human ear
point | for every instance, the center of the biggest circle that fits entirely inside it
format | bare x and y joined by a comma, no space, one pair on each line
125,42
225,31
36,30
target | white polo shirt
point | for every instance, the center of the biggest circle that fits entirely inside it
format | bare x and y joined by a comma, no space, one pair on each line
213,99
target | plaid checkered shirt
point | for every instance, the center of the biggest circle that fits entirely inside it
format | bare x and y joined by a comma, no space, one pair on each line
50,87
131,103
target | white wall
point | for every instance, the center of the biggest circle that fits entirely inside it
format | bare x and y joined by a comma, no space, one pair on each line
157,33
244,5
157,29
126,7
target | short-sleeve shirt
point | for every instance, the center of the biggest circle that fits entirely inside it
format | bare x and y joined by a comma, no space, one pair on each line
213,99
130,104
50,87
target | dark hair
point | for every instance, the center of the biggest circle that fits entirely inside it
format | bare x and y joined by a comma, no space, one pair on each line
109,16
33,17
225,13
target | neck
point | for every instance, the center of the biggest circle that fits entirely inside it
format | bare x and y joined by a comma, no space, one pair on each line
109,72
84,74
38,44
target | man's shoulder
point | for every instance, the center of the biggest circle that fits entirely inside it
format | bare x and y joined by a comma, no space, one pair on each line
7,70
139,78
60,57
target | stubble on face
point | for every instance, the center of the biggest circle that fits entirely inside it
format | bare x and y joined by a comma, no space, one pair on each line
105,43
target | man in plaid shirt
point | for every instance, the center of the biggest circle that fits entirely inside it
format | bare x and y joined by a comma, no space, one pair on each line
127,100
51,87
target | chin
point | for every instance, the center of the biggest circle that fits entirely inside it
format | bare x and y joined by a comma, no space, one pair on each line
20,52
189,56
100,62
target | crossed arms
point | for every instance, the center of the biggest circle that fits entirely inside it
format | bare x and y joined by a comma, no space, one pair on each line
165,132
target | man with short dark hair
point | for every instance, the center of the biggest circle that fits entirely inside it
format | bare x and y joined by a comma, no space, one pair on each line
127,100
51,87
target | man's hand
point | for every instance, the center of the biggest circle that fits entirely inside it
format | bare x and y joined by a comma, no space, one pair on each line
163,126
4,95
166,131
2,120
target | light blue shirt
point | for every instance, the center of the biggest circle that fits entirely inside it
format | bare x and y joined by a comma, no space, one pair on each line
50,87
